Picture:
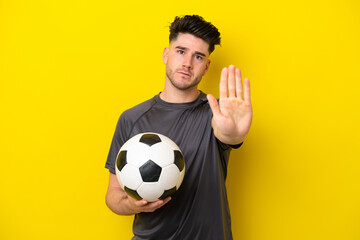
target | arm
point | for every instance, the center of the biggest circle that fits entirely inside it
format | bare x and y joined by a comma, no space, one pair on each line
232,116
120,203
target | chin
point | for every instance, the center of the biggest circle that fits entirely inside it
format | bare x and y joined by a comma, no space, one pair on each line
185,87
183,84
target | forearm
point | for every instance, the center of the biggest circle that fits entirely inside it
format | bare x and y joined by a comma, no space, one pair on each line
118,202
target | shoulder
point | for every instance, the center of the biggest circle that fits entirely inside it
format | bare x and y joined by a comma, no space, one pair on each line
132,114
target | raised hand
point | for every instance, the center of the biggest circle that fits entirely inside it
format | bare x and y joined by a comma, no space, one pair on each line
232,116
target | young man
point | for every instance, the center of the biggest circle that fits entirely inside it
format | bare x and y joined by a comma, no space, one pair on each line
204,129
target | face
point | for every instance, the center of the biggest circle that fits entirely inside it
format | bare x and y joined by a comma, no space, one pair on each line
186,61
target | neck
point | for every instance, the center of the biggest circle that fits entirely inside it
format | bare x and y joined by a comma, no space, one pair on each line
180,96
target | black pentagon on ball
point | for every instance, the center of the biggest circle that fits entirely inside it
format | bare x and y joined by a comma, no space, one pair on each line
179,160
150,171
150,139
132,193
168,193
121,160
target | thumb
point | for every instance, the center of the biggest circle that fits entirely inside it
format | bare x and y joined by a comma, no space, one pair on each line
214,105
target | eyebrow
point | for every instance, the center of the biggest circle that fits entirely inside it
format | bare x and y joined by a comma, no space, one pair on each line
196,52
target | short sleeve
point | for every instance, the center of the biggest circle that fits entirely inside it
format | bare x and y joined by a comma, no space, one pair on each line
117,141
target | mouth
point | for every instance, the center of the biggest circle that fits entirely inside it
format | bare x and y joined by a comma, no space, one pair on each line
184,73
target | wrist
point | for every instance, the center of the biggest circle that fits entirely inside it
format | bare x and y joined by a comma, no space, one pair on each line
233,140
229,139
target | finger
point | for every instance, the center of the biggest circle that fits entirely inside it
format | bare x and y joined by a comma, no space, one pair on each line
213,105
239,87
223,83
152,206
247,91
231,82
141,203
156,204
165,201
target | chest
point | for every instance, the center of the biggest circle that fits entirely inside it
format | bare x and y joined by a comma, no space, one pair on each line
186,127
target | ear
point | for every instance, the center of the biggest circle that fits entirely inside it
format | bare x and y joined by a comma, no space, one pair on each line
207,66
165,55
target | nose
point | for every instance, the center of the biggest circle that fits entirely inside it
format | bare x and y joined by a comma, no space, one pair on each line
187,62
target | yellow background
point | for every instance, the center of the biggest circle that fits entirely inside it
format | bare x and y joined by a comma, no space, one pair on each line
69,68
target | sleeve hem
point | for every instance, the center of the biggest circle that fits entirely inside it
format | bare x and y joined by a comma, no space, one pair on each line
236,146
111,169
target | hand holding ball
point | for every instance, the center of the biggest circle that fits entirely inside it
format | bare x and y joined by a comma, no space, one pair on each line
150,166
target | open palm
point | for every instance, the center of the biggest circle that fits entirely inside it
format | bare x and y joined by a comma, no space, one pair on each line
232,116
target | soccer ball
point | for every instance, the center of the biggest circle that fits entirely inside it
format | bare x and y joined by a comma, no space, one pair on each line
150,166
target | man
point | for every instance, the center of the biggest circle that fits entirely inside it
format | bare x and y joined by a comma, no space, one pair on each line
204,129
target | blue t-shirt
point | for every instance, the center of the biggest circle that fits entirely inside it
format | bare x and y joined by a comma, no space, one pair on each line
199,209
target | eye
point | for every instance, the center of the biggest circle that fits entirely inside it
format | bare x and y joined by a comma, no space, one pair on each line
198,57
180,51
